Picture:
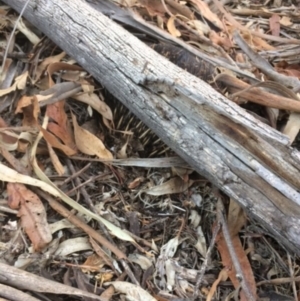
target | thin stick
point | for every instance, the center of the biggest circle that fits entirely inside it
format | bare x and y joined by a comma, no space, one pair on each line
240,275
207,257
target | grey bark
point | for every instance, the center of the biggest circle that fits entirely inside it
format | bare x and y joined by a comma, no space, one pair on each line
249,161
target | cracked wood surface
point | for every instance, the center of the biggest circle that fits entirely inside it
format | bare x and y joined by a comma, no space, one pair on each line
245,158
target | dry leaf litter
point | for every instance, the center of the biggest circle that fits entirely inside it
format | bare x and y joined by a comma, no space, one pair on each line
82,162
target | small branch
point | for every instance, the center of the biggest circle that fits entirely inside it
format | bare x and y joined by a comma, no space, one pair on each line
240,275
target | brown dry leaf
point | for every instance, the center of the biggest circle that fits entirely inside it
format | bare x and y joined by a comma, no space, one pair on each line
285,21
258,42
96,103
55,161
54,142
61,126
207,13
175,185
236,220
104,277
172,28
182,172
88,143
108,293
154,8
202,28
28,105
227,262
23,102
225,42
6,138
32,214
133,292
223,275
93,264
135,183
72,76
10,141
57,91
19,84
288,69
45,63
252,40
275,24
58,66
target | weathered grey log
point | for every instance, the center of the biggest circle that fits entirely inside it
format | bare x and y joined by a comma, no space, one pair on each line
245,158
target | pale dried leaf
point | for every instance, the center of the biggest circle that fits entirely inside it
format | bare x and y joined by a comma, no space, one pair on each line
197,199
108,293
170,274
195,218
133,292
236,218
73,245
201,242
175,185
172,28
285,21
61,224
292,127
273,272
19,84
88,143
96,103
202,28
222,277
31,36
143,261
122,153
49,60
169,249
207,13
55,161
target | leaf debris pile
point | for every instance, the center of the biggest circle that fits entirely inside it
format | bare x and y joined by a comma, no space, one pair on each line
82,202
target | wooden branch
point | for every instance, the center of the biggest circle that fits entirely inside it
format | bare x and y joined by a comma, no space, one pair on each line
245,158
258,95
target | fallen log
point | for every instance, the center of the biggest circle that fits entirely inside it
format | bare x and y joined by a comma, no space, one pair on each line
246,159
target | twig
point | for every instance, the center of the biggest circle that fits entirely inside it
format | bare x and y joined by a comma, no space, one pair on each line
202,38
205,263
129,272
292,276
265,66
236,24
74,174
79,223
88,200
